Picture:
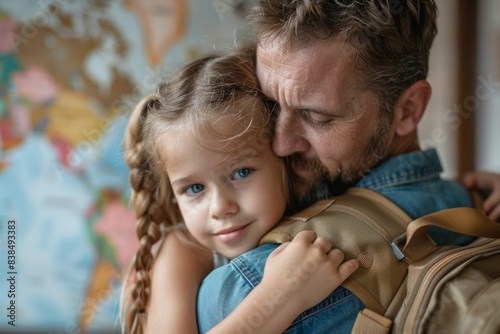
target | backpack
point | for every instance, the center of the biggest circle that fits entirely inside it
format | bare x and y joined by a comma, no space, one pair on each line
407,283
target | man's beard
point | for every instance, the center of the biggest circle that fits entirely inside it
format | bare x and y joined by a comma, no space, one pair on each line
308,191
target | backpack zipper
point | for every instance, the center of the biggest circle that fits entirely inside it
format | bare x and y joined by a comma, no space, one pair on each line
423,292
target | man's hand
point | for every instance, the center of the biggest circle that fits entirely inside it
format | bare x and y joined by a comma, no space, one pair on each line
488,184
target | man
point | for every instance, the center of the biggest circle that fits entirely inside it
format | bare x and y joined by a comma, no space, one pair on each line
348,80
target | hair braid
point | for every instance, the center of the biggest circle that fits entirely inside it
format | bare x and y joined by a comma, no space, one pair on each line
197,97
147,198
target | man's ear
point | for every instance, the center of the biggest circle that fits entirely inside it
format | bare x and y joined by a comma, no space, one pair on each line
410,107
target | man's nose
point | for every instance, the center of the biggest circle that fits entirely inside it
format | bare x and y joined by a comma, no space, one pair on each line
222,204
288,135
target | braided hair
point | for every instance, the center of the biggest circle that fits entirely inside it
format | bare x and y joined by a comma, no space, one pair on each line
203,91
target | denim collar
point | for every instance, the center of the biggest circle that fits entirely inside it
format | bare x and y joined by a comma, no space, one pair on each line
404,169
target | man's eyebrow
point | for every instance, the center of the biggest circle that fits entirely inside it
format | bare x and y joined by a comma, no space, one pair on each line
310,106
322,111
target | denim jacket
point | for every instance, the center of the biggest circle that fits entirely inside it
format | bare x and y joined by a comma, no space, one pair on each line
412,181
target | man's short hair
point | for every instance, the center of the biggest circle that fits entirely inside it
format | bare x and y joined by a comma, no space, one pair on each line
391,39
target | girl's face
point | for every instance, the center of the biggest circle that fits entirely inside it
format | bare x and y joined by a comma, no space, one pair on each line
228,198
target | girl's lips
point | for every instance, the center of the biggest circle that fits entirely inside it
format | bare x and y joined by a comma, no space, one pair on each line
231,234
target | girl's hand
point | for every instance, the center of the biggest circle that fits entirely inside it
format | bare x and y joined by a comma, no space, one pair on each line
297,276
488,184
301,273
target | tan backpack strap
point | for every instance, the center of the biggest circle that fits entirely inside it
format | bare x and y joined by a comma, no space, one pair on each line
477,200
369,322
362,223
461,220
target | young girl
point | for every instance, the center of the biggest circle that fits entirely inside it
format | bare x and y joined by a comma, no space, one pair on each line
202,169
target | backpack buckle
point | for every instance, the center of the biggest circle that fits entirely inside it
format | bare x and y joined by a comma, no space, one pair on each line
395,246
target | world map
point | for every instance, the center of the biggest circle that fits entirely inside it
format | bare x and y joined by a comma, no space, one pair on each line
70,72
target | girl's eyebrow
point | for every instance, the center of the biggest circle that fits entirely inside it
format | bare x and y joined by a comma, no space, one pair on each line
239,159
182,180
242,157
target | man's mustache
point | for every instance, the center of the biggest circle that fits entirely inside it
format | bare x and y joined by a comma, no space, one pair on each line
313,165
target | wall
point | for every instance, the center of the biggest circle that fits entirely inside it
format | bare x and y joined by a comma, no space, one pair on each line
446,111
434,129
488,67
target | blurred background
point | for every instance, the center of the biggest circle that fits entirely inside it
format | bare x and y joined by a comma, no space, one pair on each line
71,71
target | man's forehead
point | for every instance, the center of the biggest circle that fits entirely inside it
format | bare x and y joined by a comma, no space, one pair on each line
305,61
308,77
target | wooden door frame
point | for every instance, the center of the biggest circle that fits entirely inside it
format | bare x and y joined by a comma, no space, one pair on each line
467,43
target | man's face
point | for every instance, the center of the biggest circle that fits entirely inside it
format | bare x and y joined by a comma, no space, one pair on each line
325,124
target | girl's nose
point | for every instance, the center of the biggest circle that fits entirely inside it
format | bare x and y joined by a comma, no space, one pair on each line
222,205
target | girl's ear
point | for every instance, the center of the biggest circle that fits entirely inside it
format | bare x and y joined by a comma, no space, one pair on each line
410,107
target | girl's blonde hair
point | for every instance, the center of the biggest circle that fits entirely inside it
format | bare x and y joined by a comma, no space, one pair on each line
205,91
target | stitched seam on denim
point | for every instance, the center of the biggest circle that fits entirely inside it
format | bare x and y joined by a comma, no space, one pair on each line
245,271
416,166
386,182
326,303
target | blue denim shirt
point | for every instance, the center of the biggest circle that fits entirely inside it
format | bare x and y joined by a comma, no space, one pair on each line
412,181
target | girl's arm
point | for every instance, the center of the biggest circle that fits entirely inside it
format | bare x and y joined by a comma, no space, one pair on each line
176,275
297,276
488,184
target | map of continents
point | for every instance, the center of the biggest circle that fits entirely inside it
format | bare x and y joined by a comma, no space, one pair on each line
69,73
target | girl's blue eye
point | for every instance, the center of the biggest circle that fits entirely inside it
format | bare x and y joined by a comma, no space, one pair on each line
242,173
194,189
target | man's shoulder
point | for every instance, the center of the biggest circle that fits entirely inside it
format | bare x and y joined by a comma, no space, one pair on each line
422,198
413,181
